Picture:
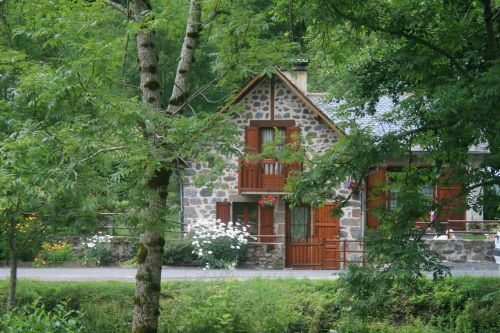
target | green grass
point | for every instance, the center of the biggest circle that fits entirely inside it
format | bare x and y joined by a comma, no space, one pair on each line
455,305
474,237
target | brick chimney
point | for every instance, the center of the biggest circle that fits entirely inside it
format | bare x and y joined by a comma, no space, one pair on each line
298,75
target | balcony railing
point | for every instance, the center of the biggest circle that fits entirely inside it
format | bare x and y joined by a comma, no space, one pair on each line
266,175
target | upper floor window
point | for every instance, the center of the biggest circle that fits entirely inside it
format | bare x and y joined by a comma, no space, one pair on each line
269,135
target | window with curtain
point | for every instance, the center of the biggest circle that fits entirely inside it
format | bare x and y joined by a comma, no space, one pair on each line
426,190
246,213
299,226
267,136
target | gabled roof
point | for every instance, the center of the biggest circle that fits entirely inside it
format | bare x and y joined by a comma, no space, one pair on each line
247,87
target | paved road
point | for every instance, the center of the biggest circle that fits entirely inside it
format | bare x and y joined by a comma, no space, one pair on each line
168,274
182,273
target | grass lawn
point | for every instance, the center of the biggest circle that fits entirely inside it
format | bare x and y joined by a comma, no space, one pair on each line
474,237
454,305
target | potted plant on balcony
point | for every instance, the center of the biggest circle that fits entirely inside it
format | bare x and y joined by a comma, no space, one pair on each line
268,201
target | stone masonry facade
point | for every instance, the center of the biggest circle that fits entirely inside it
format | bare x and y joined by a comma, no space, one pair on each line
200,202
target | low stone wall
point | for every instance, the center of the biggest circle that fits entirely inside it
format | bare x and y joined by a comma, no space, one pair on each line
120,247
460,250
265,256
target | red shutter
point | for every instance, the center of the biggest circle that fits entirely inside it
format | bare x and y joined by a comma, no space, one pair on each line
293,137
267,224
251,140
223,211
451,198
248,176
375,196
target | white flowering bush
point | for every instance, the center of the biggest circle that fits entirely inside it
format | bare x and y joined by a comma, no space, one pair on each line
219,245
98,249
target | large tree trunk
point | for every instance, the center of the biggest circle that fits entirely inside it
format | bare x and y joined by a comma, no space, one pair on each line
11,299
180,90
150,249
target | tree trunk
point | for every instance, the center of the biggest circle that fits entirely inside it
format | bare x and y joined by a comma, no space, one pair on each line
150,249
148,283
148,59
180,90
11,299
491,43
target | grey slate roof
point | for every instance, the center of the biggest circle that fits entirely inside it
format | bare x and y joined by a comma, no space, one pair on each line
380,123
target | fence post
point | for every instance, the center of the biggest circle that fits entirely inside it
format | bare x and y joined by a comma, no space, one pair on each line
345,253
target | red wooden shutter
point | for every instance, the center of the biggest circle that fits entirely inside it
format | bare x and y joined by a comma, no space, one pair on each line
267,224
223,211
249,170
293,136
375,196
451,198
251,140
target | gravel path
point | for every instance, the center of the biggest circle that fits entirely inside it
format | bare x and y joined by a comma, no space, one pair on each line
183,273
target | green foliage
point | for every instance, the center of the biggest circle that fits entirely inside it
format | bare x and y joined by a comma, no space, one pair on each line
458,305
180,252
36,318
445,90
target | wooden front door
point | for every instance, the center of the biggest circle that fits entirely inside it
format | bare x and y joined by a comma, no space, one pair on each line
326,227
312,245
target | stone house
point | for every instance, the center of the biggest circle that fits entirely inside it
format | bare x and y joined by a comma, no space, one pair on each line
295,237
291,237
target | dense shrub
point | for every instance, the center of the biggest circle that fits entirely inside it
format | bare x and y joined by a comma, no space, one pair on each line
180,252
36,318
53,254
458,305
98,249
218,244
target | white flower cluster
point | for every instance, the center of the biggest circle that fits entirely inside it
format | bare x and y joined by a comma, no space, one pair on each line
207,233
98,239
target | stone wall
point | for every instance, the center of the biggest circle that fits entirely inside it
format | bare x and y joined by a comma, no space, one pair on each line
459,250
265,256
120,247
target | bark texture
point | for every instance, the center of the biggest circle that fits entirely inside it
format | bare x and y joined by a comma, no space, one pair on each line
147,57
150,248
180,91
11,299
148,283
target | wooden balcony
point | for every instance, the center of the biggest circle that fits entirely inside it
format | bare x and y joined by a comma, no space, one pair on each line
266,175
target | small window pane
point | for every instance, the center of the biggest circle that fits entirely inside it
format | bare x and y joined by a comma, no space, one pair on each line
427,191
246,213
300,222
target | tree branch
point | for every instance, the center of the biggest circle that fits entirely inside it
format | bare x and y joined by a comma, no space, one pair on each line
118,7
399,33
6,24
100,151
491,43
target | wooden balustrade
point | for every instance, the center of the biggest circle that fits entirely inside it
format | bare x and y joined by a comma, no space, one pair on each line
266,175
